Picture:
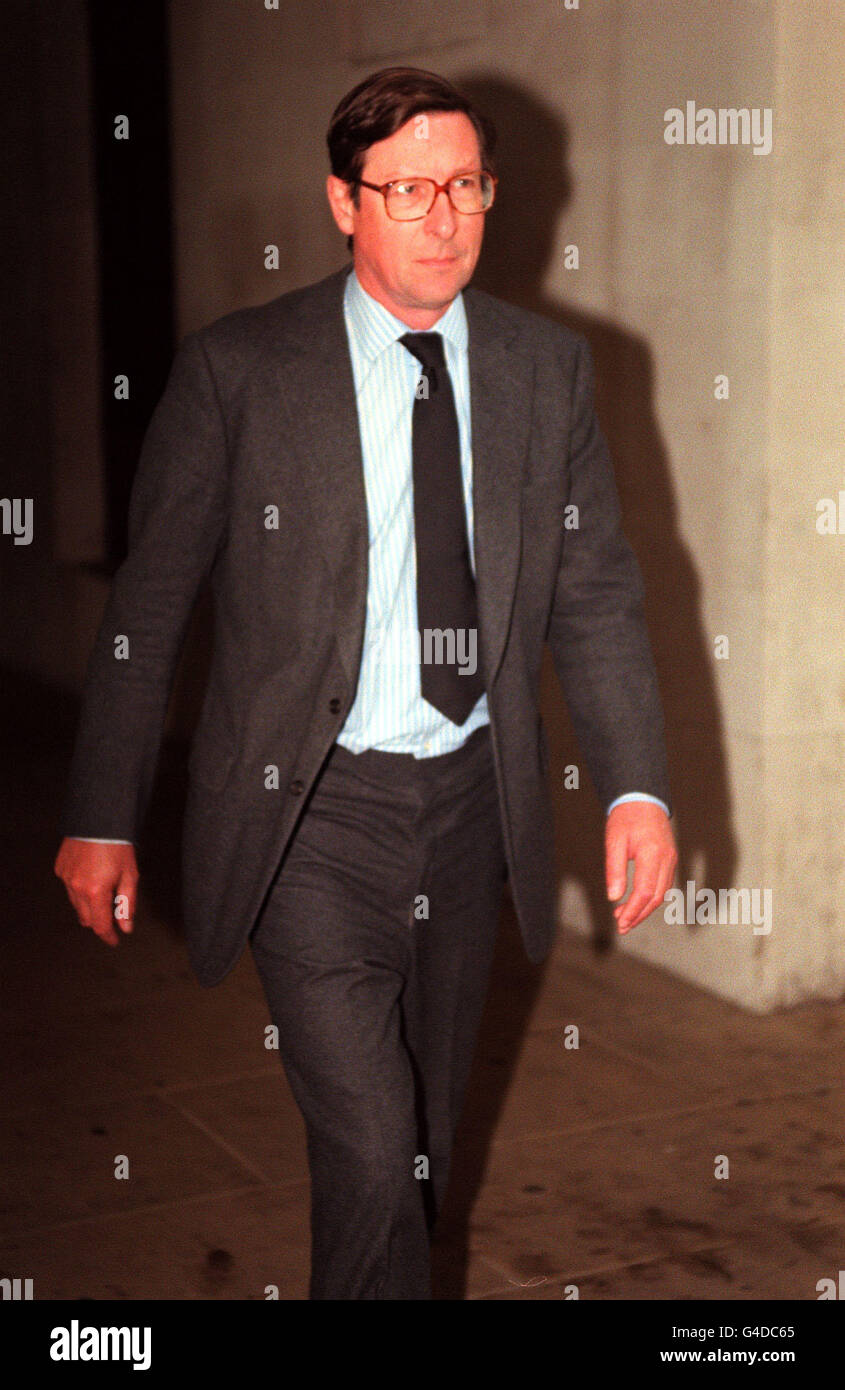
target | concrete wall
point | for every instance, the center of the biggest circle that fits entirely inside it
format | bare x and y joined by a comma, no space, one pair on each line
695,261
804,711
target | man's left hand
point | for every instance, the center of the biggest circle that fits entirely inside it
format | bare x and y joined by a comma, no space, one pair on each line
641,831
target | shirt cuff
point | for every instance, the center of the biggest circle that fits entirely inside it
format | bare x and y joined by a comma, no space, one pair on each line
638,796
90,840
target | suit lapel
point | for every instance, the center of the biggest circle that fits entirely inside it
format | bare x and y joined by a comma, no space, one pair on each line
318,391
501,375
323,422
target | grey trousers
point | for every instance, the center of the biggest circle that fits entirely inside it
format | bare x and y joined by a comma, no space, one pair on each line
374,949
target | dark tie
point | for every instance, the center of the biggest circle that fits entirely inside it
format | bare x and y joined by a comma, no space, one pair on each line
447,612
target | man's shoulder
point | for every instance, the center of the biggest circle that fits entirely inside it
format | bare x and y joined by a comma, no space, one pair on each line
500,316
290,315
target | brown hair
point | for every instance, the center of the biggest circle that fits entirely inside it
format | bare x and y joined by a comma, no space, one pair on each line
382,104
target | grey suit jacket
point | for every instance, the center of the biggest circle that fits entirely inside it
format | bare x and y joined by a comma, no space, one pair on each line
260,411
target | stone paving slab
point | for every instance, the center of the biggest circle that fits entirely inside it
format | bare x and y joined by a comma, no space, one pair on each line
63,1162
228,1245
595,1201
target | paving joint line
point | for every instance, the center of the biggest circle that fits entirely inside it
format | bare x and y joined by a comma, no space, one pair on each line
619,1267
220,1142
593,1127
144,1209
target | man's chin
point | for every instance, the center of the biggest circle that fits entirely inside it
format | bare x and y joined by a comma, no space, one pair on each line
436,285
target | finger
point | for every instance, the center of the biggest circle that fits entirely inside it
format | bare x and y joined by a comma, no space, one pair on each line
79,903
616,865
107,935
102,915
636,910
666,865
88,918
646,877
641,913
126,897
667,877
647,864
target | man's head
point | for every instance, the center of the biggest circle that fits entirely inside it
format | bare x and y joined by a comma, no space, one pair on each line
398,124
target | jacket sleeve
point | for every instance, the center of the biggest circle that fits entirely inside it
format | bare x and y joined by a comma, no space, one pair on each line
597,633
177,516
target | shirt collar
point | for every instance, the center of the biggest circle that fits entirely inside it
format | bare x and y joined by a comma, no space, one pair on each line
375,328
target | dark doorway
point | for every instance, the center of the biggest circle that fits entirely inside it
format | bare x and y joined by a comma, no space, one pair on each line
130,80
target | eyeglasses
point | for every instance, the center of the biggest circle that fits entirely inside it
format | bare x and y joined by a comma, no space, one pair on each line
407,200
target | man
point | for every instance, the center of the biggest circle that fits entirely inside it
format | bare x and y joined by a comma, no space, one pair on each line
379,455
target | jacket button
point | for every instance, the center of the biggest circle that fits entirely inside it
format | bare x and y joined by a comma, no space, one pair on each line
334,705
297,787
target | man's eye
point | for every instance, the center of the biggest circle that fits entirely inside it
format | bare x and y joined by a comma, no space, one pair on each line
405,189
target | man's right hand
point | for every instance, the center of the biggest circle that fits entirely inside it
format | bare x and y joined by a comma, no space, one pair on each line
94,874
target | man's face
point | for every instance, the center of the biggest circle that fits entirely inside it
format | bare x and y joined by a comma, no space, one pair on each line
414,269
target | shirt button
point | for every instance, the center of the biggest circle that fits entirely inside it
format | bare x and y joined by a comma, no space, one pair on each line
334,705
297,787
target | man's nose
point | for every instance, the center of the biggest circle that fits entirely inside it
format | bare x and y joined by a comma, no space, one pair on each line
442,219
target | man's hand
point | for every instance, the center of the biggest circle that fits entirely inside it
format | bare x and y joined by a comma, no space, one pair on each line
93,875
641,831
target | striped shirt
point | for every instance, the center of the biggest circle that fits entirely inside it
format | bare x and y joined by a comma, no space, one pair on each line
389,712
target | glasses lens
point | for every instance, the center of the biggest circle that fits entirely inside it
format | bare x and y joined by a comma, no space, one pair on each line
471,192
409,199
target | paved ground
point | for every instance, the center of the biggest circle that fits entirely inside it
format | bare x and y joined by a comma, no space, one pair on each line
590,1166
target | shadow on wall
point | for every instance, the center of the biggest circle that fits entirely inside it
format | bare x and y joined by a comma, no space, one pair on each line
519,239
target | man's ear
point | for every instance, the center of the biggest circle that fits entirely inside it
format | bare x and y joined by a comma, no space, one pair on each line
340,201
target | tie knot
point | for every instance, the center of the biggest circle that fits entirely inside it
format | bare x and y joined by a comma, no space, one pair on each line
427,348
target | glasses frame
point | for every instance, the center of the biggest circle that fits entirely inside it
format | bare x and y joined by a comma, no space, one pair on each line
384,189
